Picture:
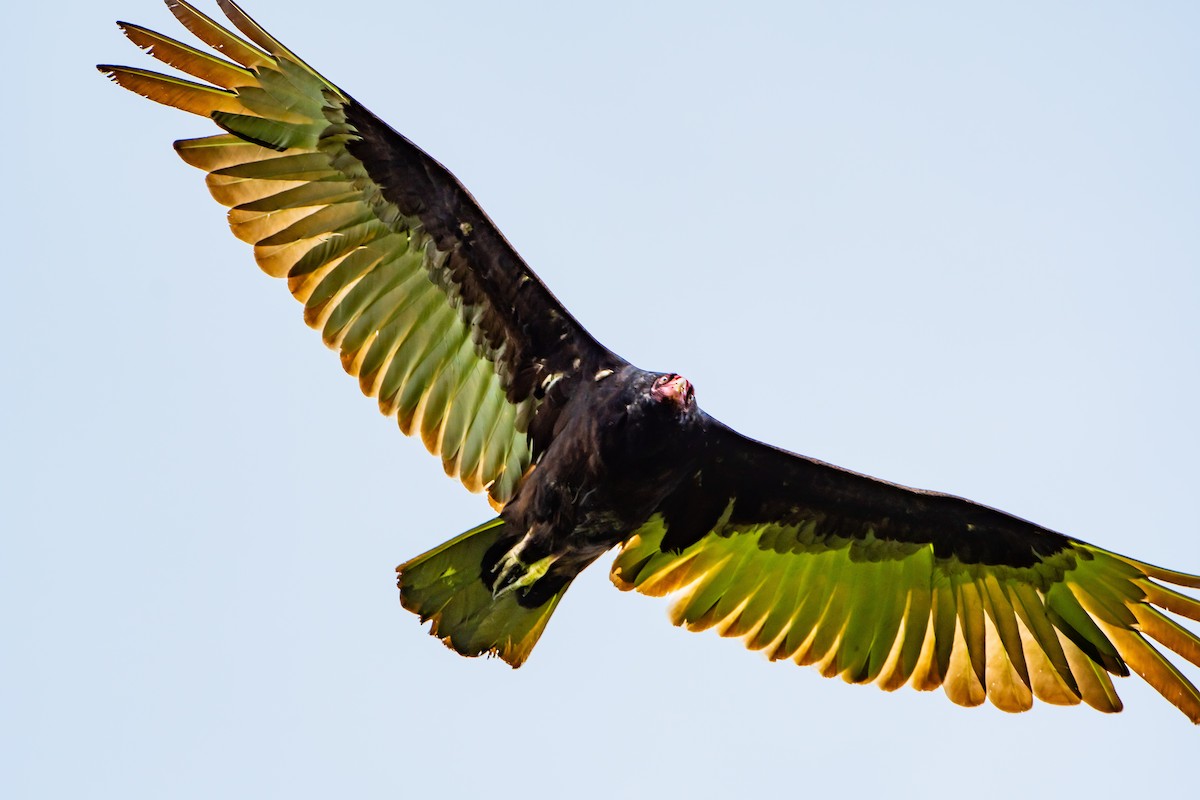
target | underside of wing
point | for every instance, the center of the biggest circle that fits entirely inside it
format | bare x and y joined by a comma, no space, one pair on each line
430,308
797,561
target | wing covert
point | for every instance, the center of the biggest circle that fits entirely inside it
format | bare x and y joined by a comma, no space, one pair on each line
879,583
397,266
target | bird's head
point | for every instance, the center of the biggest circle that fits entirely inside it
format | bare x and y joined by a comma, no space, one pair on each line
672,388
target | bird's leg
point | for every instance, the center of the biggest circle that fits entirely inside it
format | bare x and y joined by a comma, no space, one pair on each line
513,572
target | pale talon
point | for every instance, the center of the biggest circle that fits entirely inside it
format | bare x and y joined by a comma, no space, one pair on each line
533,573
508,571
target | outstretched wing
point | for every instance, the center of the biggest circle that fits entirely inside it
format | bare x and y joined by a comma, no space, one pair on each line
432,310
880,583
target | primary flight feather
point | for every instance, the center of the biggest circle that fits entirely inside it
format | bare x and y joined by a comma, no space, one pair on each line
446,326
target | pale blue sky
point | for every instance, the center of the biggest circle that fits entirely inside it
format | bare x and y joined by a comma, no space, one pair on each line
953,247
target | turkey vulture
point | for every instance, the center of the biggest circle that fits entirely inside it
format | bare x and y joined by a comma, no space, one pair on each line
579,451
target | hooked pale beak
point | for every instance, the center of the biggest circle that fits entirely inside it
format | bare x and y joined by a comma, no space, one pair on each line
678,389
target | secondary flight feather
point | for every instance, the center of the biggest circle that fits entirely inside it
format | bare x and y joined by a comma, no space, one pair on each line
444,324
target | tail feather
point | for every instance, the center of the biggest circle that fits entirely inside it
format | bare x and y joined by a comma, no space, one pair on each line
446,586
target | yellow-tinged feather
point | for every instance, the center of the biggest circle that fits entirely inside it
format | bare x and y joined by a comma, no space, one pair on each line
463,408
325,193
386,297
1032,614
317,222
1008,690
431,352
352,362
323,248
497,470
699,612
439,405
1104,586
869,602
366,290
300,92
332,290
893,673
379,372
1160,673
294,165
748,618
304,123
1095,687
222,150
1100,605
789,594
775,579
1168,632
814,589
427,413
1170,599
217,37
664,573
253,227
963,683
195,98
726,623
512,455
828,627
505,459
913,582
828,664
310,90
971,627
934,663
1045,678
184,57
645,542
927,674
1158,573
1068,615
723,614
278,260
432,346
256,34
388,306
303,286
473,464
888,606
688,607
1004,620
233,191
919,566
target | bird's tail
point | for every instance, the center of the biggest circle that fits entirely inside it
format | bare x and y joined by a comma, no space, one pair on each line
450,586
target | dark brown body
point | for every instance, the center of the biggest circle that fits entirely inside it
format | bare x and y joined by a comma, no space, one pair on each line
616,452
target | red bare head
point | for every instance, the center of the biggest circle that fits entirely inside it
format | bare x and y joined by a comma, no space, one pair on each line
674,388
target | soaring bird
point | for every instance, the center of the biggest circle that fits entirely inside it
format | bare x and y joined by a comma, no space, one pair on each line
579,451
